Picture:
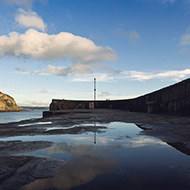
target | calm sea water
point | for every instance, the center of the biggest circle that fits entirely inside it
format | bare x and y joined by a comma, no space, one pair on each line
119,157
6,117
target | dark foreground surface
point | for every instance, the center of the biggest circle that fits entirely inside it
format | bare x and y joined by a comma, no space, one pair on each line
96,149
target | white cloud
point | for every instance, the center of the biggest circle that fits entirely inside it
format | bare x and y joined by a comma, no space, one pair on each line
65,71
185,39
34,103
26,4
40,103
132,36
77,74
172,75
39,45
100,77
78,71
27,71
22,3
30,20
53,70
169,1
43,91
104,94
72,69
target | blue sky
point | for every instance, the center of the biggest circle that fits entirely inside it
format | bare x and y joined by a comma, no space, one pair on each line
54,48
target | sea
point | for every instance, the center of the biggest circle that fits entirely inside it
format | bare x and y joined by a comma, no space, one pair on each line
7,117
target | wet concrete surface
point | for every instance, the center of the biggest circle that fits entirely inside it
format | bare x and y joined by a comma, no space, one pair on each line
170,129
17,169
74,117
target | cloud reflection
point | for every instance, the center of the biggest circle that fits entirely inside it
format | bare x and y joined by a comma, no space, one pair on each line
81,149
76,173
86,163
142,141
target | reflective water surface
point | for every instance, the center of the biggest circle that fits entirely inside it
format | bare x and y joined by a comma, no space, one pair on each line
118,157
6,117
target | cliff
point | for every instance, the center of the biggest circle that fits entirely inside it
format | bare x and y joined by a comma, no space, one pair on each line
7,103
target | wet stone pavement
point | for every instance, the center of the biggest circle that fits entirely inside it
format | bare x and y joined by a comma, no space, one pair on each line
96,149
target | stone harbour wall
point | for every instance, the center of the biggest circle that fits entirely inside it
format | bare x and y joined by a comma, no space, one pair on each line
174,99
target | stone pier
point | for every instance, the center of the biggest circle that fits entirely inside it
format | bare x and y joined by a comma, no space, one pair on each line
174,99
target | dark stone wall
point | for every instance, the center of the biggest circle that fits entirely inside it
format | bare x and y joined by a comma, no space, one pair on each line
174,99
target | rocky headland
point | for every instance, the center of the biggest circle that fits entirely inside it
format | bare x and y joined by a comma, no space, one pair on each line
7,103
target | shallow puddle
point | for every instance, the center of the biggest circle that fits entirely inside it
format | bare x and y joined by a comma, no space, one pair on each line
116,157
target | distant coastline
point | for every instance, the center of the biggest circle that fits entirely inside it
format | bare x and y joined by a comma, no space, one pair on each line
34,107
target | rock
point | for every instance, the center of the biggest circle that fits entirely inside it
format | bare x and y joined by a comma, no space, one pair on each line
20,147
17,171
7,103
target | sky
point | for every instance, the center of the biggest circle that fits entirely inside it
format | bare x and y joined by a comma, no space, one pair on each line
53,49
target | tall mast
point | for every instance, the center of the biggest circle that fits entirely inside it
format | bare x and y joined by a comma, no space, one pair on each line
94,89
